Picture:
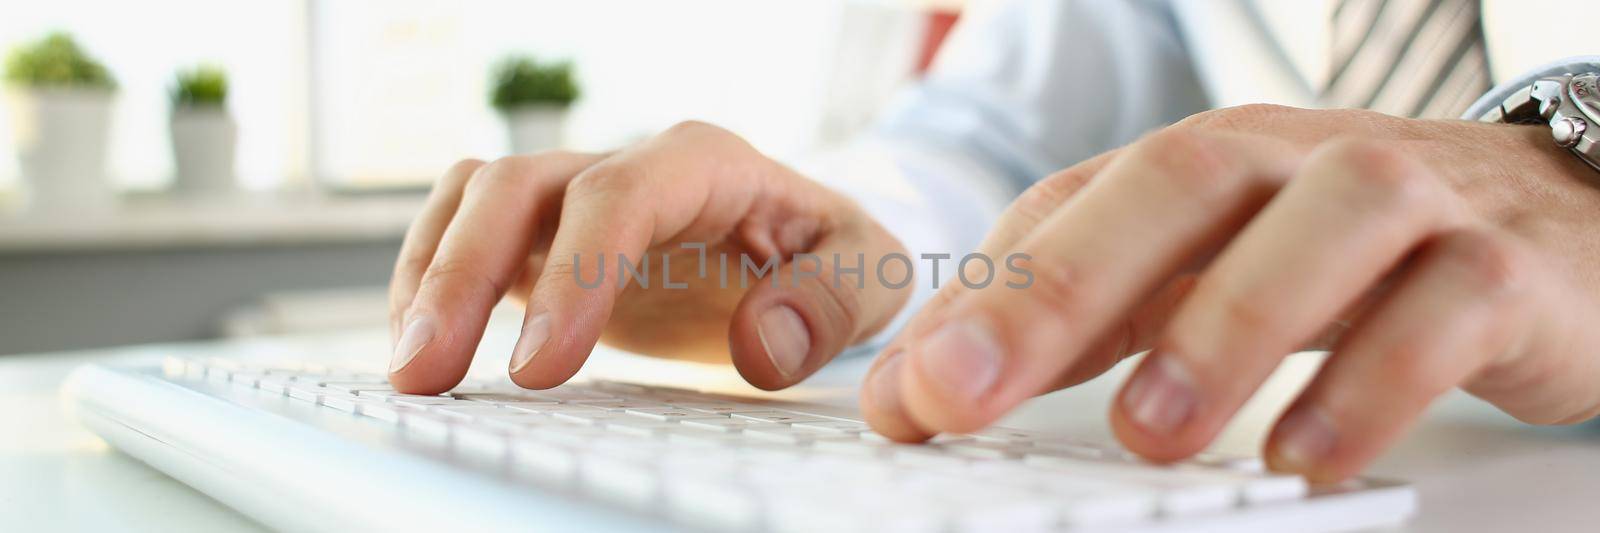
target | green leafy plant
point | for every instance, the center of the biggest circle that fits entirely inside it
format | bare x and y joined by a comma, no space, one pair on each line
522,80
204,85
56,61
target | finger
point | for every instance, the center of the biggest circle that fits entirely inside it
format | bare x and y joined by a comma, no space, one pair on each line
838,294
1168,199
478,257
691,182
1464,302
422,239
1347,219
880,392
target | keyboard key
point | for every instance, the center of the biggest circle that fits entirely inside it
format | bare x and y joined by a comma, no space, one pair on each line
427,427
550,409
857,447
300,390
1015,436
1080,449
711,502
388,412
545,462
627,481
713,408
925,455
1182,492
340,402
668,413
784,434
274,385
834,426
515,421
499,397
777,417
468,411
723,424
698,438
639,427
355,387
571,395
421,401
848,511
589,417
620,388
484,446
986,450
247,379
622,405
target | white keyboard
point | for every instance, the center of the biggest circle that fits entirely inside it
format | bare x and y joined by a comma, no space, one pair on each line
702,461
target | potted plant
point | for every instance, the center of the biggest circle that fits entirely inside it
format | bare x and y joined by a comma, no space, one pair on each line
203,134
61,104
533,97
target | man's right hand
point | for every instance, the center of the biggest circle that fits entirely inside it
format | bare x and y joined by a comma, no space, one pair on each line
515,227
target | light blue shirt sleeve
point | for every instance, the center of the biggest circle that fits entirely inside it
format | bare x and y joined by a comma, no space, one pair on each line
1029,87
1021,89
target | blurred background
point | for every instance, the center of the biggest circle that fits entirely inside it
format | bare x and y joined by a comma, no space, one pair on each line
184,169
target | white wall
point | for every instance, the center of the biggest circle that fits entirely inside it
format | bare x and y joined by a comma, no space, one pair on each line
400,85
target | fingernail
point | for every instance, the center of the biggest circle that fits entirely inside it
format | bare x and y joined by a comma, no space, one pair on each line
1160,397
884,390
1307,436
783,335
534,333
418,333
962,357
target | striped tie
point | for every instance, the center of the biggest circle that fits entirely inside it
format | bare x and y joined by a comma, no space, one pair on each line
1412,58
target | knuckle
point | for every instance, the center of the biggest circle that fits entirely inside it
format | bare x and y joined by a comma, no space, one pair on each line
1048,194
1250,314
1494,265
463,169
556,154
507,171
693,128
844,303
1381,173
461,275
1189,160
1060,289
411,263
458,176
562,269
611,178
1237,117
1412,371
522,170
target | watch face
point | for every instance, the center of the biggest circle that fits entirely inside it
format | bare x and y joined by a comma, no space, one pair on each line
1585,91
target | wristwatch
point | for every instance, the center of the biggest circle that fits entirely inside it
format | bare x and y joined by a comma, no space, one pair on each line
1570,104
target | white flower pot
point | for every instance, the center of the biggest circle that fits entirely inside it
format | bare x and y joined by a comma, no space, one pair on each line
203,139
61,136
535,128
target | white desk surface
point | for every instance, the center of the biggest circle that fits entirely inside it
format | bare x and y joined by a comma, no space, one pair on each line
1476,469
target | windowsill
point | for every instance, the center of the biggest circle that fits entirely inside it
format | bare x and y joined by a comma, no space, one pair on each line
156,222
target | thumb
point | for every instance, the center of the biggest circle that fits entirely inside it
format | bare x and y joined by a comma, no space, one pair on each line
806,308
